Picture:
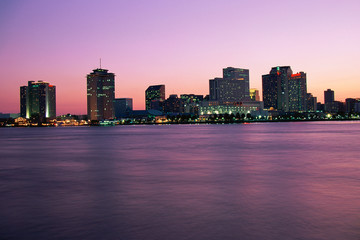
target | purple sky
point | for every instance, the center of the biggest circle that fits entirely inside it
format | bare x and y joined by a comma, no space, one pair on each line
181,44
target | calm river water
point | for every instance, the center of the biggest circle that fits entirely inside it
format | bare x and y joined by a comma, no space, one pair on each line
244,181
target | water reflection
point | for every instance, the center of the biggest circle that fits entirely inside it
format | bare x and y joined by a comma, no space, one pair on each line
257,181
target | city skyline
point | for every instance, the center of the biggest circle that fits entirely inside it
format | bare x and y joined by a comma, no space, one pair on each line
181,45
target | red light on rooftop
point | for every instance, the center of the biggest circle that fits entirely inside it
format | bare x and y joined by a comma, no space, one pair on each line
296,75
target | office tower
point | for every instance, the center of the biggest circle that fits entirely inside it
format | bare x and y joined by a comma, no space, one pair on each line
311,103
297,92
233,87
329,96
350,104
100,95
155,97
275,88
123,107
283,90
254,94
38,100
23,101
329,99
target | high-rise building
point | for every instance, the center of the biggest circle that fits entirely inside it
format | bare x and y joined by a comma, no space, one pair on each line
123,107
329,99
254,94
155,97
23,101
233,87
38,100
283,90
297,92
100,95
311,103
329,96
350,104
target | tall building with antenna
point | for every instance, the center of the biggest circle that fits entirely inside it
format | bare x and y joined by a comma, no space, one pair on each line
100,94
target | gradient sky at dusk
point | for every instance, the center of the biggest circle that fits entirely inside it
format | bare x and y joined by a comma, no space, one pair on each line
181,44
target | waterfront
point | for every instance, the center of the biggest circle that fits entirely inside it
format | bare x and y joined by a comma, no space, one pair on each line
294,180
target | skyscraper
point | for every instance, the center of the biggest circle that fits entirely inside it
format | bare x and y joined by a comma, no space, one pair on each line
155,97
38,100
329,96
283,90
297,92
329,101
233,87
100,94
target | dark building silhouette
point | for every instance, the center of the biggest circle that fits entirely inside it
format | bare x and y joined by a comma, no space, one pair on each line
284,91
100,95
329,102
38,100
329,96
155,97
23,101
351,104
173,104
233,87
311,103
123,107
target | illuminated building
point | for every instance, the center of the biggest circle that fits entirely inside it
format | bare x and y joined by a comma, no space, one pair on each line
254,94
100,95
123,107
234,86
297,92
38,100
191,102
284,91
214,107
155,97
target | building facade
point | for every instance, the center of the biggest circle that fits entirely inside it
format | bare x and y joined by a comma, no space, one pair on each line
329,102
100,95
123,107
38,100
155,97
232,87
311,103
215,107
297,92
284,91
350,104
254,94
173,104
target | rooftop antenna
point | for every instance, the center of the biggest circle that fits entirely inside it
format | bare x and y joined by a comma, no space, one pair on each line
100,63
